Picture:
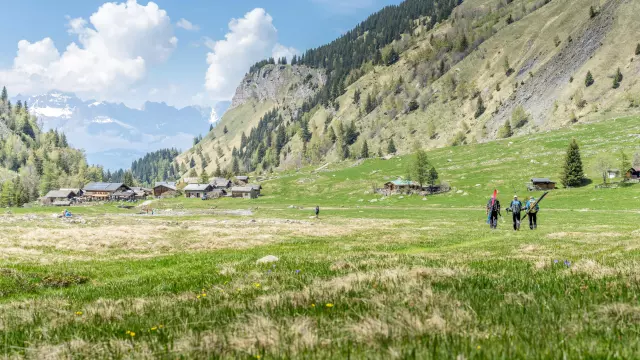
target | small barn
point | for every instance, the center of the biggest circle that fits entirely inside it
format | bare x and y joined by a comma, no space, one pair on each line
399,185
256,187
633,173
141,193
221,183
107,191
613,173
541,184
162,188
245,192
197,190
217,193
58,197
190,180
243,180
124,195
76,191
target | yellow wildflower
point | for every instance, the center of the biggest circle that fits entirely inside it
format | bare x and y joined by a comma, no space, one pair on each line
258,356
313,305
329,305
132,334
198,297
78,313
154,328
128,332
256,285
204,295
160,326
478,347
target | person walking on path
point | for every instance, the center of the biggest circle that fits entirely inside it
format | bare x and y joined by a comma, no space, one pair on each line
532,209
317,211
516,208
493,211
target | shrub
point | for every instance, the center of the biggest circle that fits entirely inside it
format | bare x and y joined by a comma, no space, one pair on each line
519,117
505,131
617,79
480,109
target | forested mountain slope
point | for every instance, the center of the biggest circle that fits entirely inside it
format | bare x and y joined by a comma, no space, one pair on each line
33,162
437,76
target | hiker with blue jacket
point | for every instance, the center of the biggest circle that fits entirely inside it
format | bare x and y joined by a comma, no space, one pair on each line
532,209
515,207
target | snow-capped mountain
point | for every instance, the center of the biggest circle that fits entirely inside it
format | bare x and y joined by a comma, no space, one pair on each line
113,135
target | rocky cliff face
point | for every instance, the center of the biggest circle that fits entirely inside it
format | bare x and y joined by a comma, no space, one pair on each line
285,84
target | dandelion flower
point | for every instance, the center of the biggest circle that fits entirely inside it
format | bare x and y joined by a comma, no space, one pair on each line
478,347
329,305
258,356
154,328
256,285
160,326
204,295
128,332
132,334
78,313
198,297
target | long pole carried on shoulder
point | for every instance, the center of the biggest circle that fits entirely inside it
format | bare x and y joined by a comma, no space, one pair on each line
534,205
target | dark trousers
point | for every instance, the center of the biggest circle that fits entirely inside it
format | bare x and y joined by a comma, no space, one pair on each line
533,221
493,220
516,221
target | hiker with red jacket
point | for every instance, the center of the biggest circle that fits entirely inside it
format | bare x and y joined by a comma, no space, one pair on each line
493,211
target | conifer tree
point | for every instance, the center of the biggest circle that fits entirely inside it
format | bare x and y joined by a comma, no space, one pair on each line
617,79
235,166
572,171
391,148
193,173
420,167
204,177
638,49
364,153
218,172
5,96
225,130
192,163
7,197
588,81
625,163
480,109
128,179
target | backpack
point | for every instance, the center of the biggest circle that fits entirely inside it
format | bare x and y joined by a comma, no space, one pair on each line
495,207
516,206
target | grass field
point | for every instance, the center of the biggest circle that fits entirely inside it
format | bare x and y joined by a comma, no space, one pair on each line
394,278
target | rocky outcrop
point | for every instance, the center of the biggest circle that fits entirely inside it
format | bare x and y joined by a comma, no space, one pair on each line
284,84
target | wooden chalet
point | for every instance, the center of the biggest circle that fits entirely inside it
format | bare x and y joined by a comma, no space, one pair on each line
633,173
59,197
221,183
76,191
141,193
197,190
541,184
256,187
99,191
243,180
217,193
399,185
245,192
164,188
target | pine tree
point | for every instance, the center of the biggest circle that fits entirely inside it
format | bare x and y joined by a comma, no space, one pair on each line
332,135
128,179
572,172
193,173
364,153
351,134
204,177
588,81
625,163
192,163
7,197
183,168
218,172
5,96
225,130
617,79
356,97
235,167
592,12
281,139
433,176
420,167
210,127
304,131
391,148
480,109
638,49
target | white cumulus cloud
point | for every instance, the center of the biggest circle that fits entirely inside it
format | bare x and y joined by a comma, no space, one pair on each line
249,40
187,25
112,52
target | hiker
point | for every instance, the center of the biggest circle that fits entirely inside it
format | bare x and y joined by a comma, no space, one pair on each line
317,211
532,209
493,208
515,207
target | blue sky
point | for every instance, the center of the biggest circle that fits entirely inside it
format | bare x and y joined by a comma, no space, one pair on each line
140,51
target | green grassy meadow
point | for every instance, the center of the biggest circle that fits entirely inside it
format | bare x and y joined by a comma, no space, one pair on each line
390,278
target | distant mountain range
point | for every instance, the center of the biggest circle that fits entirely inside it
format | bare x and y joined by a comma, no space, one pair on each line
113,135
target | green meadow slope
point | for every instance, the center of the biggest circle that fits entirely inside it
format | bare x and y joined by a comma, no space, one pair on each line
395,278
